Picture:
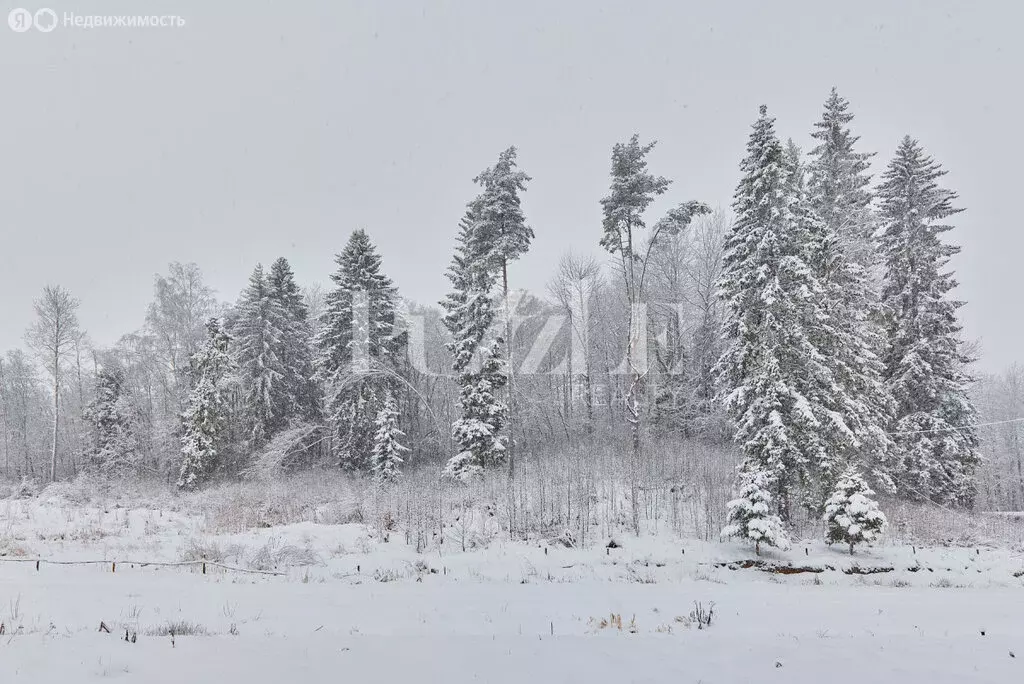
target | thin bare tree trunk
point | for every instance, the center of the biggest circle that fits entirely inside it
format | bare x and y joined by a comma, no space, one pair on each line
52,336
56,416
633,407
1020,465
511,405
7,441
24,431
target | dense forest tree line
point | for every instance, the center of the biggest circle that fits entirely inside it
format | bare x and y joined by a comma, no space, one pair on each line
812,327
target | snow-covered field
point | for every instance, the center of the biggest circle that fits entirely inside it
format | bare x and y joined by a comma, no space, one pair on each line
356,602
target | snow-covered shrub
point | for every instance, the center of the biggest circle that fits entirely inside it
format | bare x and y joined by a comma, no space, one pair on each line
85,489
702,616
750,515
26,489
384,575
176,628
325,497
209,550
566,540
13,548
463,467
275,554
272,461
851,516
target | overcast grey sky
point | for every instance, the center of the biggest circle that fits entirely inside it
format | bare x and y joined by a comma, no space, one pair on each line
262,129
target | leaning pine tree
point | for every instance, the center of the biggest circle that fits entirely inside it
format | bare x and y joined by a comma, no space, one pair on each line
476,359
772,371
203,418
633,189
925,360
851,515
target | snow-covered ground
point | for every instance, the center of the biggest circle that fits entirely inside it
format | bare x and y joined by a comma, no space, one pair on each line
355,602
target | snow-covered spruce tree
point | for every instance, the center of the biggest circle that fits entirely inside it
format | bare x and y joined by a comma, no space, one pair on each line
925,360
358,350
752,515
851,515
848,264
476,358
500,235
110,413
204,415
298,400
772,371
256,328
839,185
477,431
853,406
387,450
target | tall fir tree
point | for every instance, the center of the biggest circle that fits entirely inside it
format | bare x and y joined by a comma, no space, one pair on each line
501,235
205,411
476,358
257,328
839,184
847,263
925,360
772,370
300,397
853,405
359,347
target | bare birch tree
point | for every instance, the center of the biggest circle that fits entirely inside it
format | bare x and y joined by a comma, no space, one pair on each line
53,338
574,287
